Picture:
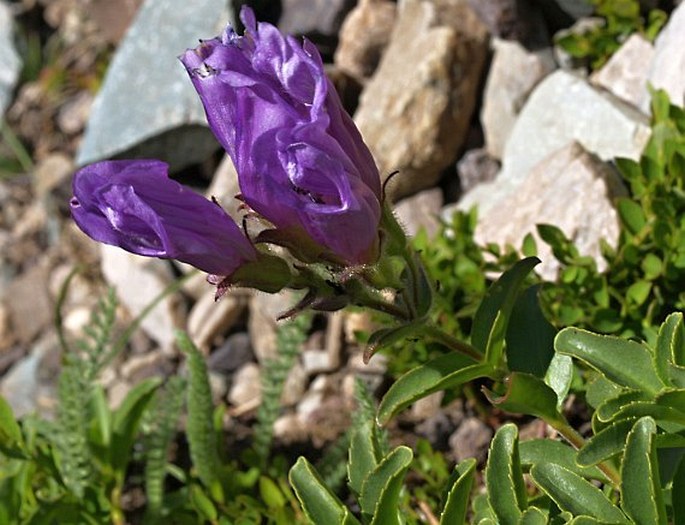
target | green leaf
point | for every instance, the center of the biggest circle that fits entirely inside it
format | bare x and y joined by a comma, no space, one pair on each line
529,246
638,292
320,505
363,455
574,494
605,444
446,371
631,215
529,337
457,498
642,498
624,362
533,516
504,478
559,376
499,300
389,336
11,440
536,451
527,394
380,493
126,420
270,494
668,344
607,410
652,266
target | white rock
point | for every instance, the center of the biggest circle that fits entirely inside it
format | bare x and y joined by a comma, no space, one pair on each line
513,74
289,428
138,281
209,318
562,108
667,70
295,386
316,362
246,387
10,63
420,211
625,74
571,189
262,324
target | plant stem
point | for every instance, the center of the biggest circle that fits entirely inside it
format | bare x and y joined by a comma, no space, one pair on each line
439,336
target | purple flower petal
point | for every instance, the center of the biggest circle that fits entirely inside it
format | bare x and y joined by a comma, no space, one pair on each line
135,205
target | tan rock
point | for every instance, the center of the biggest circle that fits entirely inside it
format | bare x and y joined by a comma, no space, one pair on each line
415,110
364,35
246,387
420,211
209,318
29,304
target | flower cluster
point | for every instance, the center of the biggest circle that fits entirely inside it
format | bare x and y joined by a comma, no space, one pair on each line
301,163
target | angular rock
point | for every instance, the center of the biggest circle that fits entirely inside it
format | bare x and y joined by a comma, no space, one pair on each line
513,74
295,386
364,35
420,211
209,319
140,367
231,355
10,63
138,280
319,20
571,189
562,108
246,387
475,167
29,304
519,20
667,70
147,106
262,324
625,74
415,111
470,440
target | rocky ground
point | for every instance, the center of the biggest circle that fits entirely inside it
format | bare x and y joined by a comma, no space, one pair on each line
469,100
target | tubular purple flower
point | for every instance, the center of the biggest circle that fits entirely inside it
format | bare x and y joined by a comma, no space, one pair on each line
133,204
301,162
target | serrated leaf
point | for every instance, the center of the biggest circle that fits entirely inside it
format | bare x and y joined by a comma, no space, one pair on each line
536,451
529,337
443,372
320,505
457,498
504,478
607,410
642,498
668,343
498,301
605,444
624,362
527,394
363,455
379,498
574,494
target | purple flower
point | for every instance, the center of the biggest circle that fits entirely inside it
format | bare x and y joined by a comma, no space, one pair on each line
300,159
135,205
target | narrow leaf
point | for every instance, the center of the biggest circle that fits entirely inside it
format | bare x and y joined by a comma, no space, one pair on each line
536,451
625,362
574,494
642,498
457,498
380,494
605,444
504,478
443,372
669,340
321,506
363,456
533,516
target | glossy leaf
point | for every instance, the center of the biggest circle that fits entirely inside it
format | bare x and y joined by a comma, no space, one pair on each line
642,498
536,451
625,362
527,394
529,337
605,444
457,498
379,498
533,516
447,371
363,455
320,505
574,494
499,300
607,410
504,478
559,376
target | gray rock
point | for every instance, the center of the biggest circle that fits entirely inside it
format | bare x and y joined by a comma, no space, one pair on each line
29,304
140,367
147,105
209,319
571,189
667,70
364,36
575,8
138,280
232,354
10,63
625,74
414,120
475,167
470,440
319,20
420,211
562,108
518,20
513,74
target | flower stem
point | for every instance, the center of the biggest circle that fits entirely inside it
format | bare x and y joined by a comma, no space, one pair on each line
439,336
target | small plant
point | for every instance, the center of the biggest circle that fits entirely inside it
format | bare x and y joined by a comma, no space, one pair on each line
619,19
